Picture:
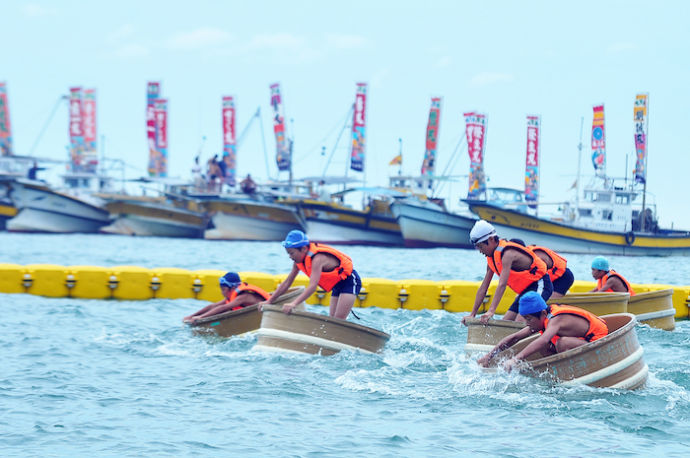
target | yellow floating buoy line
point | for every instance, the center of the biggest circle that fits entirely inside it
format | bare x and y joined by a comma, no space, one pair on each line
139,283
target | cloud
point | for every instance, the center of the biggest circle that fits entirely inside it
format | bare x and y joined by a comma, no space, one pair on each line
444,62
121,34
204,37
279,41
489,78
346,41
132,50
621,47
36,10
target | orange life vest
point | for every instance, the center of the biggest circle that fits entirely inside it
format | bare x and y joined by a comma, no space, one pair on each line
612,273
559,262
328,279
244,287
597,326
518,280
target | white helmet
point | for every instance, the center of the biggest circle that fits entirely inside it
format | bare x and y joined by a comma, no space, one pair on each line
481,231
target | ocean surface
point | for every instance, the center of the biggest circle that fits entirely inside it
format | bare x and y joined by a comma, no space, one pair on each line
126,378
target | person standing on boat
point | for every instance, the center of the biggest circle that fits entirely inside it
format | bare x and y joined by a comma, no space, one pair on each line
608,280
516,266
561,276
236,295
326,267
562,328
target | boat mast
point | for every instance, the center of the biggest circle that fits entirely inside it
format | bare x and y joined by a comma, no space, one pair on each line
579,164
644,183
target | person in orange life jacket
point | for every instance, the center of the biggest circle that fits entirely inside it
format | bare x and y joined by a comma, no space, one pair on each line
608,280
325,267
236,295
562,328
516,266
561,276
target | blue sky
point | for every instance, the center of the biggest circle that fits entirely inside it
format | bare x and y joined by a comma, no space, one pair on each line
506,59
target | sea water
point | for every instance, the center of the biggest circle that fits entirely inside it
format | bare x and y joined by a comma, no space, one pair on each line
85,377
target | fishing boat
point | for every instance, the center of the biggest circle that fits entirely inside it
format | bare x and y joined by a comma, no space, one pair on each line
247,319
170,214
614,361
606,220
654,308
245,218
313,333
596,303
7,208
42,209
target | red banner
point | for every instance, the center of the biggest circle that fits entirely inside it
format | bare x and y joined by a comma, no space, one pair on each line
90,131
152,93
76,129
429,164
640,119
158,163
229,142
283,150
532,160
5,127
475,129
359,128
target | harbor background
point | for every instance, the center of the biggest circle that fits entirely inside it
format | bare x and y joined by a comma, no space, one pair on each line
128,378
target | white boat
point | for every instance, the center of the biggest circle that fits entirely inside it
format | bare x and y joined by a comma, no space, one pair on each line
41,209
426,224
248,219
154,218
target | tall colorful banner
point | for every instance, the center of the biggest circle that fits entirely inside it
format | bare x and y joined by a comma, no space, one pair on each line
90,162
283,157
153,92
359,128
158,163
640,118
229,142
598,141
5,127
429,164
532,160
76,129
475,129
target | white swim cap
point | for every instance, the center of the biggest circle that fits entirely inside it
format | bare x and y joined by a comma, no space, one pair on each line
481,231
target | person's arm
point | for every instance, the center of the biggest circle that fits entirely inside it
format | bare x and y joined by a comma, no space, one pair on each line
506,342
538,344
284,285
203,310
614,284
507,260
481,294
316,268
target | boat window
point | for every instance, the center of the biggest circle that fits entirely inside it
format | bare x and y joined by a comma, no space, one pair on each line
603,197
585,212
622,199
607,214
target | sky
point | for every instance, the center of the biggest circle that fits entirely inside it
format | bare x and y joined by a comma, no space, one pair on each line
506,59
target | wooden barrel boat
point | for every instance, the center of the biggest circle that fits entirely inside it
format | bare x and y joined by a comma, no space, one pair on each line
247,319
483,337
597,303
654,308
614,361
313,333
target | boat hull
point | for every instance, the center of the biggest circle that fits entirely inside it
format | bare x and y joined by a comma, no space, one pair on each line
313,333
654,308
423,226
251,221
334,224
570,239
42,210
247,319
7,212
614,361
481,338
150,219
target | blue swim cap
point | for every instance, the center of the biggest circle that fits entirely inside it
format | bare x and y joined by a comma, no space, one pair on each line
296,239
230,279
600,263
531,302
